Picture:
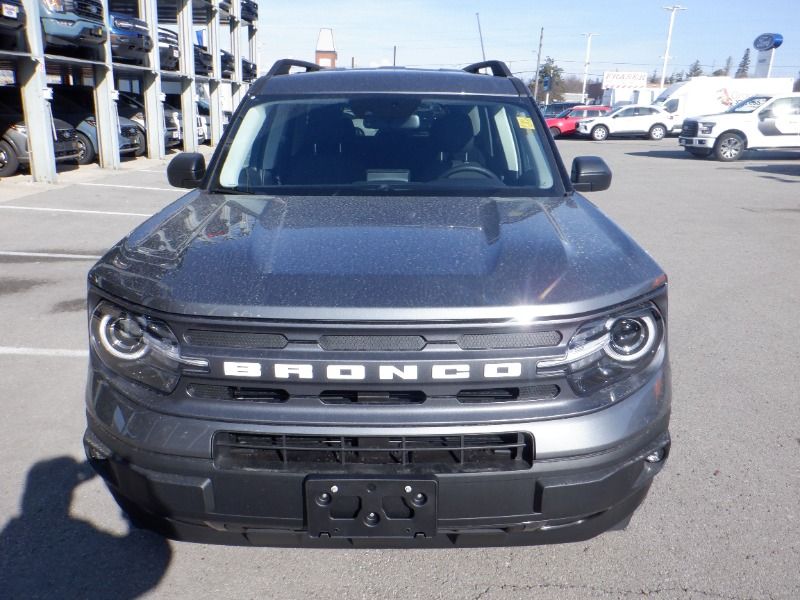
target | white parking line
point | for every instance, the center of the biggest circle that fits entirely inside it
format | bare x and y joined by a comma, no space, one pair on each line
50,352
75,210
130,187
49,255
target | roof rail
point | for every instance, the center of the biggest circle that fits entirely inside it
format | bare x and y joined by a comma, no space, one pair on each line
283,66
498,68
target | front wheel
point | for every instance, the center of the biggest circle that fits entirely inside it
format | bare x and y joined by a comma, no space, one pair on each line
141,149
555,132
8,160
729,147
657,132
599,133
85,149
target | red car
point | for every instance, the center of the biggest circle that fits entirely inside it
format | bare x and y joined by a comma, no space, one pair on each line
564,123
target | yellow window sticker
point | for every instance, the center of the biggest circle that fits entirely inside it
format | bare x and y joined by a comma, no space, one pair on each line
524,122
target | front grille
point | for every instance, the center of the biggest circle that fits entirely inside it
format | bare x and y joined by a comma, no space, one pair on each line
362,397
64,135
130,132
168,37
372,343
231,392
232,339
690,128
430,453
89,9
500,341
525,394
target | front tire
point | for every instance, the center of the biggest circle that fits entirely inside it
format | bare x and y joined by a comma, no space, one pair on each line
729,147
657,132
555,132
8,160
86,152
600,133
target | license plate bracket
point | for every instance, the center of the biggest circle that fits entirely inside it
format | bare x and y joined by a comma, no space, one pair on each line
371,508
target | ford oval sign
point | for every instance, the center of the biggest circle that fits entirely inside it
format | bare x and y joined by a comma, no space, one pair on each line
768,41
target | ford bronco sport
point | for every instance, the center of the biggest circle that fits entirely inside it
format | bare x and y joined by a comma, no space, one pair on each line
384,316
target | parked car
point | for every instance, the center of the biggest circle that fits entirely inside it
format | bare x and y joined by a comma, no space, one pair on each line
168,50
14,139
75,106
204,110
132,107
70,24
556,108
249,11
12,25
130,38
202,60
227,64
756,123
418,335
565,123
249,70
631,120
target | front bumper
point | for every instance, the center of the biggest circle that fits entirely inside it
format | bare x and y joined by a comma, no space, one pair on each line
162,465
78,32
704,143
131,46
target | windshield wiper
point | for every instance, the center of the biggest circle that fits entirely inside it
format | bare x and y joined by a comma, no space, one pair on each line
232,191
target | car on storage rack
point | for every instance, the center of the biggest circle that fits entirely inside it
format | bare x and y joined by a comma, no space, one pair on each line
130,38
12,25
384,315
75,107
249,70
249,11
203,60
565,123
73,23
630,120
169,53
227,64
131,107
14,139
756,123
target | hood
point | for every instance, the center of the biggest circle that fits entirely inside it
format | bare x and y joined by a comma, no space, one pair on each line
377,258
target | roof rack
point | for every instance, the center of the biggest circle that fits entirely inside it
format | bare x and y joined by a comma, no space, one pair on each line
283,66
498,68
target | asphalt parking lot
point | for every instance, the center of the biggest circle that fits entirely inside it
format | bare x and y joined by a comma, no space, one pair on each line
722,520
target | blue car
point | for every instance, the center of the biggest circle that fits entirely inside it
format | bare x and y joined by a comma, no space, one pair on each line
130,38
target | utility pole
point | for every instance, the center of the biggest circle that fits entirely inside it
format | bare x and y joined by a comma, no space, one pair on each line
480,34
673,9
394,57
586,64
538,62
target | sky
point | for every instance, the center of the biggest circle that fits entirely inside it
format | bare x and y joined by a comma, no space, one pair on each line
631,34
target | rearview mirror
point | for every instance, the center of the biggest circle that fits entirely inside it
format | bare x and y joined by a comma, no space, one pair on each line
187,170
590,174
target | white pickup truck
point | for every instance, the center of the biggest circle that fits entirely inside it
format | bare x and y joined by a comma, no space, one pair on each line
759,122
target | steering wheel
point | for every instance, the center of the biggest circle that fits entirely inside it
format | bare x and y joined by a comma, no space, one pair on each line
468,168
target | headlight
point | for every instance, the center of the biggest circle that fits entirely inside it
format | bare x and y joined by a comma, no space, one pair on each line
610,356
706,127
91,121
139,348
55,5
20,128
123,24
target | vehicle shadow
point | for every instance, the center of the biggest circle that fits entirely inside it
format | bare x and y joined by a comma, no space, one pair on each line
778,172
47,553
678,154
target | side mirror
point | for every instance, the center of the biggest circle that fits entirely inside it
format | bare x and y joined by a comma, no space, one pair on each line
186,170
590,174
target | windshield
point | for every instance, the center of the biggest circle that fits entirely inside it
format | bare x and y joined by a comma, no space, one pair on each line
563,113
367,144
749,104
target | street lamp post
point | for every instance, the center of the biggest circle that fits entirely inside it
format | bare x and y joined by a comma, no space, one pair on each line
673,9
586,64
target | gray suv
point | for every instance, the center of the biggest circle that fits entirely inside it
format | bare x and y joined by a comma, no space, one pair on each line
384,316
